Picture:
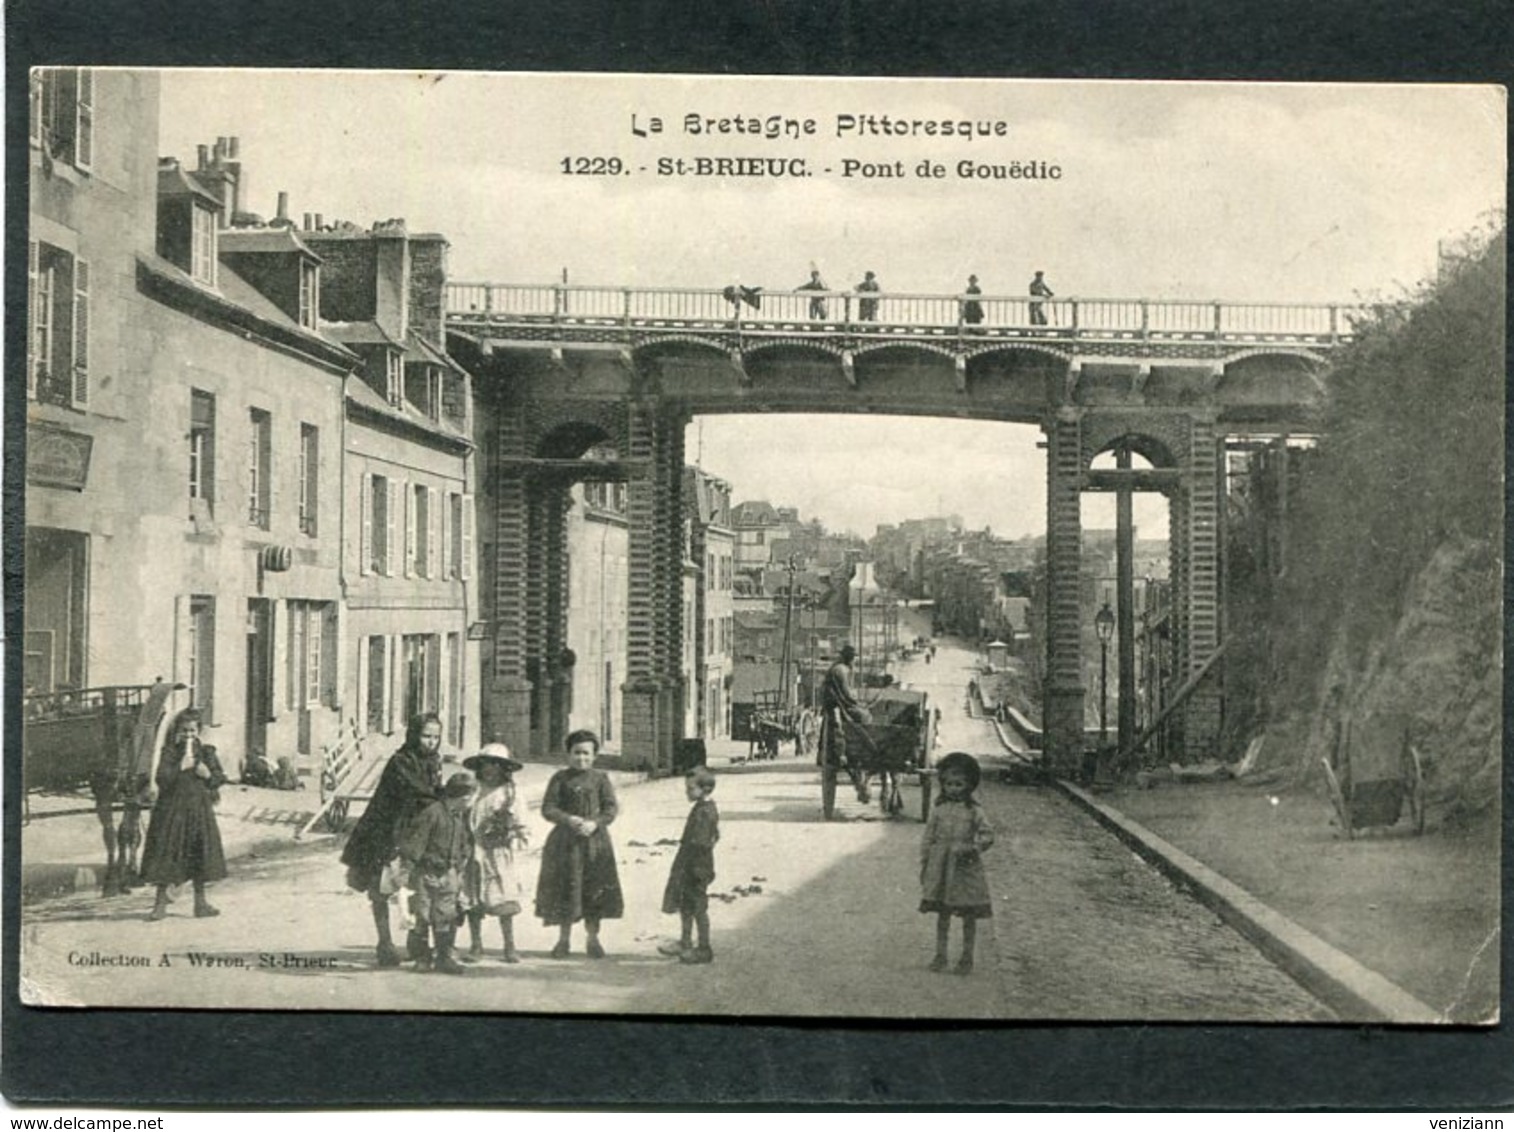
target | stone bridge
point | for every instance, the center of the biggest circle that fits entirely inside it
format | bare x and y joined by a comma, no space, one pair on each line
562,369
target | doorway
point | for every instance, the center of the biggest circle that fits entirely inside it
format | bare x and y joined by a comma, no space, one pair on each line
259,697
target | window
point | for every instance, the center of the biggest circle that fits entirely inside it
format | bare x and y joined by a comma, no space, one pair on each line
63,114
202,246
423,389
394,373
202,655
380,508
310,294
310,477
57,343
202,453
421,672
312,654
259,456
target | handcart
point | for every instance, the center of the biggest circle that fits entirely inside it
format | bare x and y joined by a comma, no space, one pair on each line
895,743
1374,773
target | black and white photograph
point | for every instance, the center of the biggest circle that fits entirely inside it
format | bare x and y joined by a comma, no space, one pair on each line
683,546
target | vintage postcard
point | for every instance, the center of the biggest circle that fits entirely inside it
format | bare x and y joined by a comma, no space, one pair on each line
644,545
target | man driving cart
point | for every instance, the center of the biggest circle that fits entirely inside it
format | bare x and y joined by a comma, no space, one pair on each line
840,706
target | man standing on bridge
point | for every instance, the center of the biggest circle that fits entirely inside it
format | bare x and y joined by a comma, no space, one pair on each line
867,309
1039,289
817,304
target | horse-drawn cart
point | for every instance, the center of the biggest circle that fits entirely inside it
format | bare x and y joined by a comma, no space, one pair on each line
1373,773
76,739
895,742
774,723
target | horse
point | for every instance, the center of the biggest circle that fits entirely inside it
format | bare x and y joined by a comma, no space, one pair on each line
127,780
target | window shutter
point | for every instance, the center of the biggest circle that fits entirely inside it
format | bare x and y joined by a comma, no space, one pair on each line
81,332
433,532
360,707
409,555
467,536
392,659
32,256
331,692
84,119
365,498
315,653
396,492
448,534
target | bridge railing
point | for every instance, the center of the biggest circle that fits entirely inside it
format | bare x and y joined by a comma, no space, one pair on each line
899,314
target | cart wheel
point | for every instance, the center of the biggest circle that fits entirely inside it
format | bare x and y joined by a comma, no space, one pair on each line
1417,790
924,796
828,791
336,816
1338,800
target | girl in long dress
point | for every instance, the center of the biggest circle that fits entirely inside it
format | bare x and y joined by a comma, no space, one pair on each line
183,838
492,881
952,881
578,878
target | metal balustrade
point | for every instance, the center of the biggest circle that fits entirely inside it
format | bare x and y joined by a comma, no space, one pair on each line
839,313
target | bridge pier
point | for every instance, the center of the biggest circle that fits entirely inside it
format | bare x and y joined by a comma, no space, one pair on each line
1197,532
1062,693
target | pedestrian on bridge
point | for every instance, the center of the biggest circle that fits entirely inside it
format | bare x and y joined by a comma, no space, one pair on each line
817,304
867,309
952,881
1039,289
972,310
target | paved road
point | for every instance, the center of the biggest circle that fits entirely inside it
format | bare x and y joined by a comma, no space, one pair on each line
815,918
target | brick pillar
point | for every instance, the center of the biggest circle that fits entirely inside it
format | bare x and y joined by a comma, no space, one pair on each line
536,614
556,501
506,700
640,695
1199,601
670,496
1062,692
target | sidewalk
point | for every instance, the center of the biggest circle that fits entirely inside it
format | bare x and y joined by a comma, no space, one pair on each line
65,853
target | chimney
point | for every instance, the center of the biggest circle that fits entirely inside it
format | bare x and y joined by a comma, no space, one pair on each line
309,219
319,223
282,219
204,153
235,148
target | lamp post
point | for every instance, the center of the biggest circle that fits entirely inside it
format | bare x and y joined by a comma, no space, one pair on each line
1103,625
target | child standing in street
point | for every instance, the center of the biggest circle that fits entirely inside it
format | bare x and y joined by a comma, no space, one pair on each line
434,851
578,878
694,868
492,878
952,881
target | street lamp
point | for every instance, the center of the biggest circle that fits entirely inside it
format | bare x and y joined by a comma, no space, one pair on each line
1103,625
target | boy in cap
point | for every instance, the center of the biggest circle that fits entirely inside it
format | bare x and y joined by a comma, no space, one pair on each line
434,851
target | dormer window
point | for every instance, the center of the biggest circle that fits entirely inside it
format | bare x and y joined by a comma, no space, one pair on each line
394,383
423,389
310,294
202,245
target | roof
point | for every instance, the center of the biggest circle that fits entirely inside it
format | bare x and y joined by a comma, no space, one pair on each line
364,333
418,348
233,290
173,181
364,396
756,619
264,240
754,513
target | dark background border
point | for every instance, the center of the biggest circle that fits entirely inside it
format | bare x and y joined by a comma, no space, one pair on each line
243,1060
